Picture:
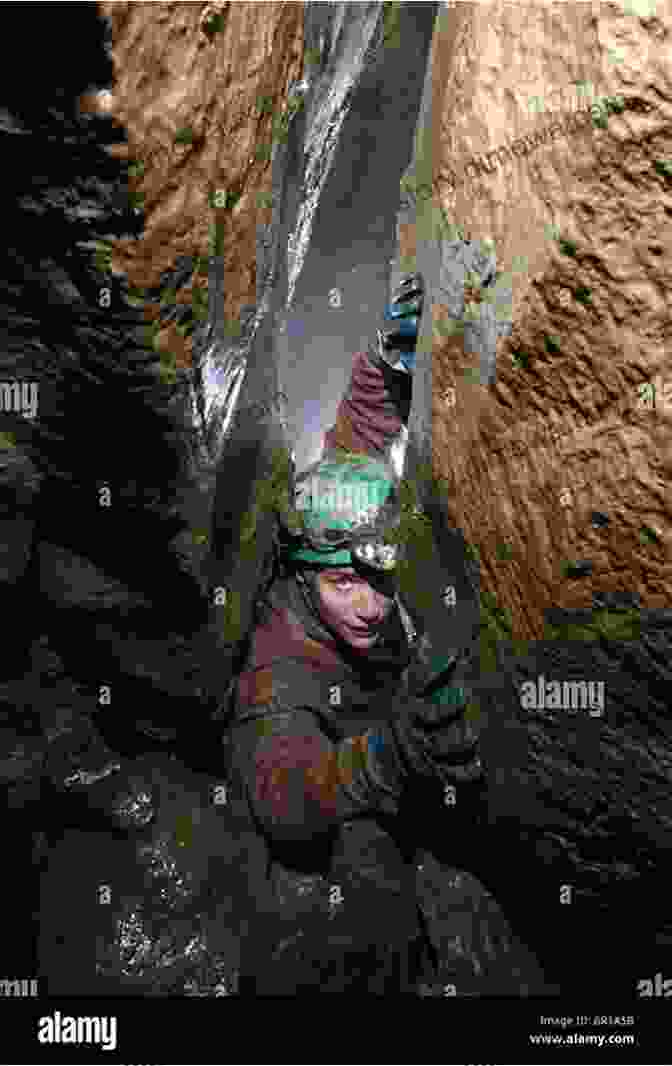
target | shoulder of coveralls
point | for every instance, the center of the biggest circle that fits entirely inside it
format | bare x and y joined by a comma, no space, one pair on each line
299,782
288,764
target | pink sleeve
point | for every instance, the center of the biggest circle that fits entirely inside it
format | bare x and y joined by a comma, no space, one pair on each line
367,419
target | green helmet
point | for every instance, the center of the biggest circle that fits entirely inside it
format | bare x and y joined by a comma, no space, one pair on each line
344,507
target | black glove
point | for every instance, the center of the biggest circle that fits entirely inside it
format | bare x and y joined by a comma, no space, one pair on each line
433,736
436,741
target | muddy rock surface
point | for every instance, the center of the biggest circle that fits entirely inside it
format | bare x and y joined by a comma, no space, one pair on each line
550,133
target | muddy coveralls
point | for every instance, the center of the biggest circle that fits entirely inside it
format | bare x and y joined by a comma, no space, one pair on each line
337,883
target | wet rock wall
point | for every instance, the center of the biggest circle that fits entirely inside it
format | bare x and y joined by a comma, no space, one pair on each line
539,132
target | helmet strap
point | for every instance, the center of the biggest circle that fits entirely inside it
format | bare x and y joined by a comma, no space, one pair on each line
307,588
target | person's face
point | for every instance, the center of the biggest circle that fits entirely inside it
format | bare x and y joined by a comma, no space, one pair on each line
352,606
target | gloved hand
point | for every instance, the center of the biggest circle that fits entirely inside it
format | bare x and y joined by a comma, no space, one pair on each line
441,688
397,341
434,737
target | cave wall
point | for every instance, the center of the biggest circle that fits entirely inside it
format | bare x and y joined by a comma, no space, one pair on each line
228,85
547,286
548,147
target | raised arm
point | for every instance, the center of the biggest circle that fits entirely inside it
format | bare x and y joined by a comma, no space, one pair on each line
377,402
